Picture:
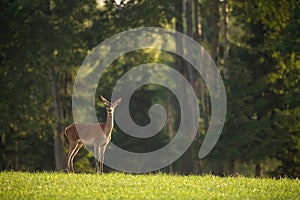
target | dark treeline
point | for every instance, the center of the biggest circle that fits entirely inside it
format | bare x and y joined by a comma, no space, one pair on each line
255,45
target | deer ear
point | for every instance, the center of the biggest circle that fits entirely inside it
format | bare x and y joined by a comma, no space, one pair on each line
104,100
118,101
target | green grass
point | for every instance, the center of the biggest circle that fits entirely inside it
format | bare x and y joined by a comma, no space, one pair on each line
20,185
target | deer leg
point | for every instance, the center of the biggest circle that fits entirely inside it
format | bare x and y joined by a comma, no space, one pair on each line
102,150
72,147
97,165
96,154
77,148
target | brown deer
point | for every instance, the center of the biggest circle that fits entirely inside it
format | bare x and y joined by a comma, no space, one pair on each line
96,135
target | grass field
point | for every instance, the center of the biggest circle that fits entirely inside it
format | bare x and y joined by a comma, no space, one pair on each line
20,185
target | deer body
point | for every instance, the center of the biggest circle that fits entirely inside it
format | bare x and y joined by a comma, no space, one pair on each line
96,135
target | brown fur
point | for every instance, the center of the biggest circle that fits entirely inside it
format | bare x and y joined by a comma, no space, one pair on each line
92,136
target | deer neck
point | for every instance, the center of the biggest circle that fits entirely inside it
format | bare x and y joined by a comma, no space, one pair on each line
109,124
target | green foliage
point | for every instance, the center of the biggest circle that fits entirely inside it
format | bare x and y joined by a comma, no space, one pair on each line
35,38
262,124
262,119
16,185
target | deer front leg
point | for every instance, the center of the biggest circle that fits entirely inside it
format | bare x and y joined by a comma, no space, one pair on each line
96,154
102,151
97,165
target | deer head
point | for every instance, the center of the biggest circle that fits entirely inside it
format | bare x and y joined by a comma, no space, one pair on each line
110,107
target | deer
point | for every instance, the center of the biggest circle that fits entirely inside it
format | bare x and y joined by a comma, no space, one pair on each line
97,135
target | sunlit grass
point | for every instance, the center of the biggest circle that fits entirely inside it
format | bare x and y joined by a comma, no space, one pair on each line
20,185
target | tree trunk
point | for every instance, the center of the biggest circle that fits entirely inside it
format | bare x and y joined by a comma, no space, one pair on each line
198,36
197,167
188,162
225,37
1,155
218,169
231,167
189,25
200,88
258,170
179,28
203,93
59,153
215,30
170,123
16,159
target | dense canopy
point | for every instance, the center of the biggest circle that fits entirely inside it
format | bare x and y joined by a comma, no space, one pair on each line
255,44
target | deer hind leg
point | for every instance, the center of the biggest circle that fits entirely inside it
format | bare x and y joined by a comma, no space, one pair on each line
73,150
72,147
77,148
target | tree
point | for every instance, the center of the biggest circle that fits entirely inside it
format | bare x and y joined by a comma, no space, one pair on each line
42,45
39,40
260,102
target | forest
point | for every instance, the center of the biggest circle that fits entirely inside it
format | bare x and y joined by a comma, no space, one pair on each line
255,44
